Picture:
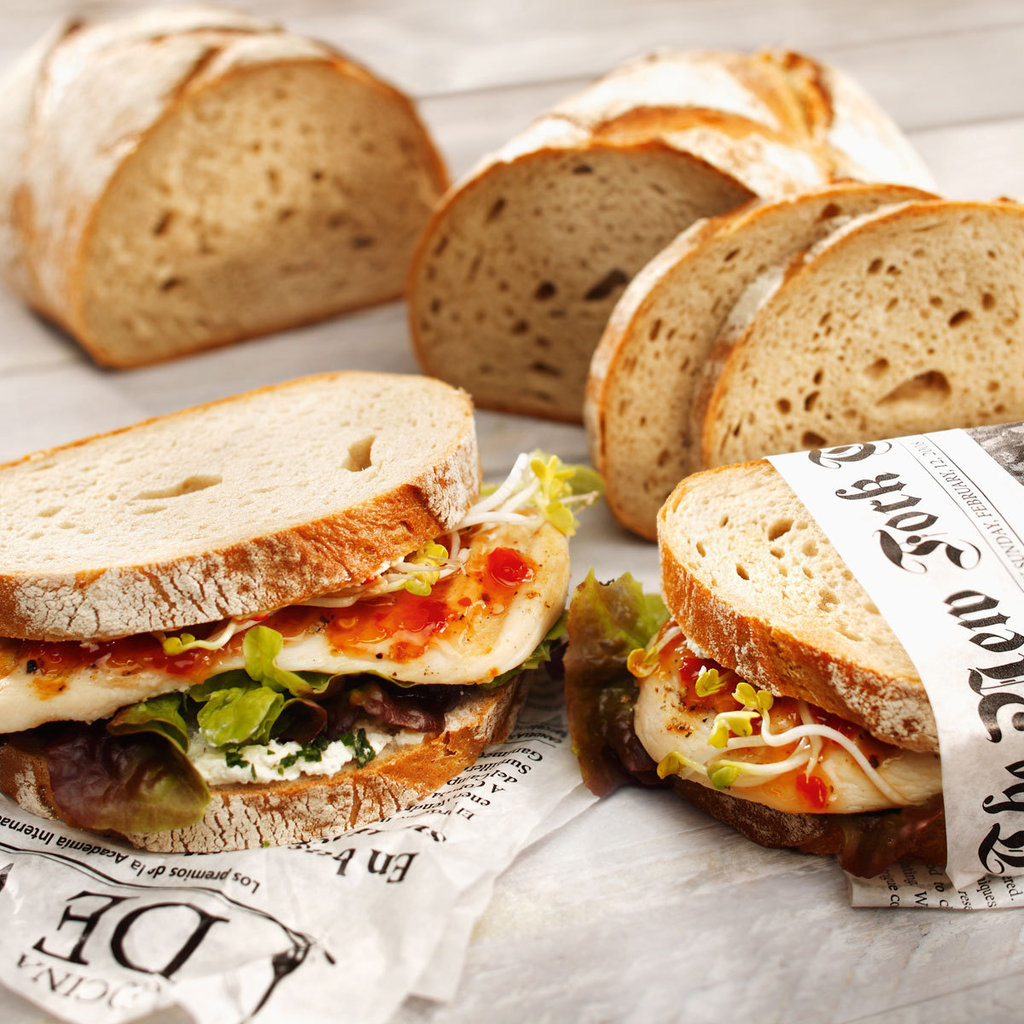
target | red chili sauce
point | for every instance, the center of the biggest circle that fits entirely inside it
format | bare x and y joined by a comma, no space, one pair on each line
51,662
813,789
401,624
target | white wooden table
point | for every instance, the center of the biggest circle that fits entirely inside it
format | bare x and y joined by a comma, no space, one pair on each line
641,909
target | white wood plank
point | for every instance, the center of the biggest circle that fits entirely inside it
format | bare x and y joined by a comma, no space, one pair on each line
976,161
436,46
47,406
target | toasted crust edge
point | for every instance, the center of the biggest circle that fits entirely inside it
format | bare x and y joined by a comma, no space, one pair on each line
242,816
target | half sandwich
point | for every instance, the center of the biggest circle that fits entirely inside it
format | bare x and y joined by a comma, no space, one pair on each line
270,618
772,694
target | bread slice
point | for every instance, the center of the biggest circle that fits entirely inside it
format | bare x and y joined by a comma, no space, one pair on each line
186,177
750,577
523,261
646,368
909,318
242,816
234,507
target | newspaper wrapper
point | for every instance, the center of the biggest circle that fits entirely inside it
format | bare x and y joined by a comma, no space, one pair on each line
341,929
932,526
929,888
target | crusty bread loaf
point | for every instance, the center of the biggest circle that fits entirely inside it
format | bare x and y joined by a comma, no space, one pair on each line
241,816
750,577
238,506
908,318
186,177
521,264
645,371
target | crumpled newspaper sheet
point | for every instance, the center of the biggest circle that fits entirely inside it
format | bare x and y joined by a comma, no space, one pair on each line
344,929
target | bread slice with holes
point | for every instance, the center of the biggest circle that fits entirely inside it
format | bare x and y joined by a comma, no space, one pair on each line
905,319
750,577
182,178
232,508
523,261
269,618
645,371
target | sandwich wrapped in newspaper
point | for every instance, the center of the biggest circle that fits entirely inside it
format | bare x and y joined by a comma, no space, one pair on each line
840,619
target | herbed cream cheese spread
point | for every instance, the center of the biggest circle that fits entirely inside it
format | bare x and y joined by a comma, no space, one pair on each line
283,760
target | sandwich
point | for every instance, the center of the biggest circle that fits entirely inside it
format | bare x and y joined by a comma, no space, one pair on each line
270,618
766,688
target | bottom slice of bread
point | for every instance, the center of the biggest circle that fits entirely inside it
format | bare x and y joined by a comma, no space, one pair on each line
242,816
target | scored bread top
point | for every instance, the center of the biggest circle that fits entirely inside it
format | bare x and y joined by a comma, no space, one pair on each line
752,579
905,319
646,369
234,507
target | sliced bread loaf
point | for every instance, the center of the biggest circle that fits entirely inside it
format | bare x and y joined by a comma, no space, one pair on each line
750,577
522,263
908,318
185,177
230,508
645,371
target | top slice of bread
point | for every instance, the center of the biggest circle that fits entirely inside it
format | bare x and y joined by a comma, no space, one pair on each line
234,507
184,177
646,369
524,260
909,318
750,576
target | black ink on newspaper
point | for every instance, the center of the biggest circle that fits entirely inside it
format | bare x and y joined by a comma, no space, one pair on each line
932,526
341,929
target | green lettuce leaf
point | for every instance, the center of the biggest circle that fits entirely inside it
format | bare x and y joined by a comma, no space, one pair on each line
248,706
606,622
261,647
161,715
202,692
237,714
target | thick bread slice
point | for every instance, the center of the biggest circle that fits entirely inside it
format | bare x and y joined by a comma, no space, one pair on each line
521,264
821,834
186,177
242,816
758,822
750,577
909,318
645,371
242,505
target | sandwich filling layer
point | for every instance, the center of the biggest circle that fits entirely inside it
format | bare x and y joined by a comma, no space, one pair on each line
701,722
485,617
135,731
